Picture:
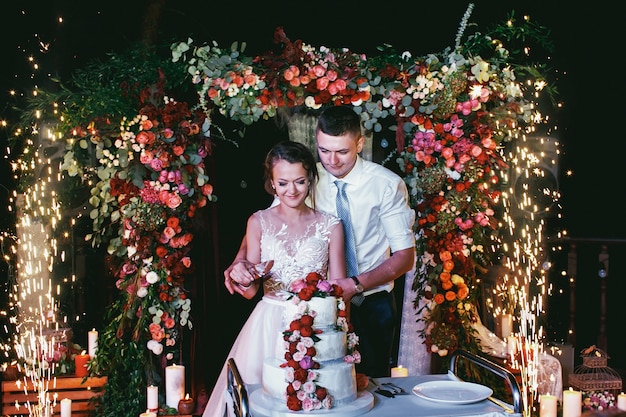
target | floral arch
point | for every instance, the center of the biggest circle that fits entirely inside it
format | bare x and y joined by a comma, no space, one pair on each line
454,116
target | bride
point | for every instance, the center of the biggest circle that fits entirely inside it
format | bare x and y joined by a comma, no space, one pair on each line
285,242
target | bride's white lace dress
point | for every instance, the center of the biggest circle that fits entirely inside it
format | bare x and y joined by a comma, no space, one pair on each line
295,252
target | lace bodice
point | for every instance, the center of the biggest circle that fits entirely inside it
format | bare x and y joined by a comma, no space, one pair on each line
295,252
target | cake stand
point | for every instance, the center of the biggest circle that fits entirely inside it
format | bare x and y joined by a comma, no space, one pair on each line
266,406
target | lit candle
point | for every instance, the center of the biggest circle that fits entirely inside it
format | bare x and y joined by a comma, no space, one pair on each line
506,321
621,401
92,342
80,362
174,385
572,403
186,405
511,345
153,398
547,406
400,371
148,414
66,407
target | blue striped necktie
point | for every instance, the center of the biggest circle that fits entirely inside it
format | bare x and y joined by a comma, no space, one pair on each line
343,211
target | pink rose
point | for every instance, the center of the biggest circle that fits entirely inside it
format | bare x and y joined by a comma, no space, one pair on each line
322,83
173,201
324,285
476,150
169,232
250,79
318,71
297,285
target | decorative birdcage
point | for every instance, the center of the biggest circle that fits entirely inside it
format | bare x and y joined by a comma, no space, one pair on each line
594,374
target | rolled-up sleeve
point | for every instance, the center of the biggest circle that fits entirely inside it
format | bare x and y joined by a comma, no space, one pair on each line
397,217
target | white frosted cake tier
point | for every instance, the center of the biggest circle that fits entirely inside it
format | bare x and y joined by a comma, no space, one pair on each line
332,345
325,311
338,377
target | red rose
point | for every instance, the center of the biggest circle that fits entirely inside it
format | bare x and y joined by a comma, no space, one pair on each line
300,374
305,294
306,331
161,251
293,403
312,278
306,320
295,325
321,393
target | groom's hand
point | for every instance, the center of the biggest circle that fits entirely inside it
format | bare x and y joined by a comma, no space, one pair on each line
347,285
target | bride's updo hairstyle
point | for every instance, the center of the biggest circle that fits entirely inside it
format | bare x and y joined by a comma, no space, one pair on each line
292,152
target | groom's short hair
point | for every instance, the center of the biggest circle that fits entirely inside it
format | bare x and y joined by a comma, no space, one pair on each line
339,120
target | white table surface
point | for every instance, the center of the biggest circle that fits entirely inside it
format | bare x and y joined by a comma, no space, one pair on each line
410,405
413,406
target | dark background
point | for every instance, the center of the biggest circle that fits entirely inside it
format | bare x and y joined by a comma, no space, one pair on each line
586,63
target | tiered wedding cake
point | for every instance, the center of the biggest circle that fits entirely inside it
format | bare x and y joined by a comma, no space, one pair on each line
314,366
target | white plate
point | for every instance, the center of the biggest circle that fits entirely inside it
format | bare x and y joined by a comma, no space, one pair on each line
452,392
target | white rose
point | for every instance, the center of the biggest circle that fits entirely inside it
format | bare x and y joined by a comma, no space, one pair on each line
155,347
142,292
152,277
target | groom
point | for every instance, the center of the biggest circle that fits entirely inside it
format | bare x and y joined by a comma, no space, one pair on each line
382,226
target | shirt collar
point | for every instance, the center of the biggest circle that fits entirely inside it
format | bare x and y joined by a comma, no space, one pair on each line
353,176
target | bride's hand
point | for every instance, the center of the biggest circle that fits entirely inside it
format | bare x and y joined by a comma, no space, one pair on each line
241,275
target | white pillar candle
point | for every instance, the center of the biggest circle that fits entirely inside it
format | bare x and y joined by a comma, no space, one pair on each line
506,321
621,401
148,414
92,342
399,371
572,403
66,407
547,406
511,345
153,398
174,384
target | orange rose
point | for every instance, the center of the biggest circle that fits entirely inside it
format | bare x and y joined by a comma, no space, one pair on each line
445,255
145,138
448,265
463,292
444,277
439,299
450,295
446,285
